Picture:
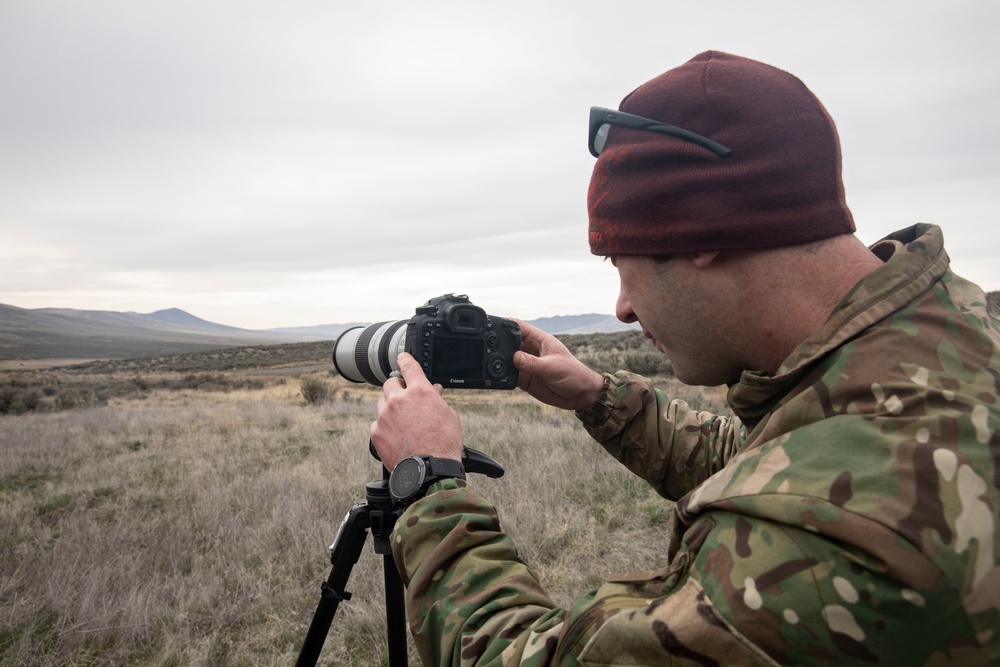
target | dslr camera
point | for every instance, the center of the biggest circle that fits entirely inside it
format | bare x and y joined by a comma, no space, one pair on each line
456,343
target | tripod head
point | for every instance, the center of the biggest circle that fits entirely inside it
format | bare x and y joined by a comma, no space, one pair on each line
378,514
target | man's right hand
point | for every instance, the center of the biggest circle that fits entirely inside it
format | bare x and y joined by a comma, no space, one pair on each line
549,372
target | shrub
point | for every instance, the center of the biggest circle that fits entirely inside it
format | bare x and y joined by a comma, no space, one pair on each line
31,399
69,399
315,389
7,398
647,362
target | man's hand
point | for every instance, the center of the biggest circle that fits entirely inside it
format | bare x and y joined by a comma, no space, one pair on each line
413,419
549,372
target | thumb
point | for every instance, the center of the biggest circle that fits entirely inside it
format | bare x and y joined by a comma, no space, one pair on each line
524,361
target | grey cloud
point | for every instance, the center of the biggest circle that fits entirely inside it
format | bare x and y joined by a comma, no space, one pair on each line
254,147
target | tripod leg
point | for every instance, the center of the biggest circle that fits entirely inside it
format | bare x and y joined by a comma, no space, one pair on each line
395,613
344,553
395,606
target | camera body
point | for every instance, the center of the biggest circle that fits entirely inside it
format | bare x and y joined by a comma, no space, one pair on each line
457,344
460,345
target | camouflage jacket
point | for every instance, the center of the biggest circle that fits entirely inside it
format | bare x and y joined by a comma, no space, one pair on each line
848,514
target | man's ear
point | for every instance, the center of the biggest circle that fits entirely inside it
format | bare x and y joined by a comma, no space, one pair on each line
702,258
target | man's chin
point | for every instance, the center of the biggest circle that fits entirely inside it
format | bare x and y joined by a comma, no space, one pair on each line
694,378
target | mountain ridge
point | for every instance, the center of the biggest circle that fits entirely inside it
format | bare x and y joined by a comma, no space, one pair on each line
52,333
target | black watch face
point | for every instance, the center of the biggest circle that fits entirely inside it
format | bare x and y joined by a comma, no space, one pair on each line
406,478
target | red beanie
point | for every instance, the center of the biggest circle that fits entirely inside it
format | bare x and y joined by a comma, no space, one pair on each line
653,194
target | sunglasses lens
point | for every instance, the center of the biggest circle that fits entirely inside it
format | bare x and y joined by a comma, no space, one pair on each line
600,138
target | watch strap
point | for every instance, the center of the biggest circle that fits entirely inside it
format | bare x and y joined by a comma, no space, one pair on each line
442,468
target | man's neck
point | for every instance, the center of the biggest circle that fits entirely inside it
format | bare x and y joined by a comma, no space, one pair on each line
797,291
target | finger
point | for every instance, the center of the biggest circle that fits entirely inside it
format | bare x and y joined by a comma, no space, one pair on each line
392,386
529,336
413,374
534,340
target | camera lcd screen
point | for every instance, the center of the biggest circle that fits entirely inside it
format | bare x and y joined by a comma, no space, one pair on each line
459,358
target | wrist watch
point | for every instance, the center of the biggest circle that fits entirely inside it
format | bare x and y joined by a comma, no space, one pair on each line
411,476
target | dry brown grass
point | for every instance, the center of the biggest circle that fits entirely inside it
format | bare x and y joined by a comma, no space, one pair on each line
188,527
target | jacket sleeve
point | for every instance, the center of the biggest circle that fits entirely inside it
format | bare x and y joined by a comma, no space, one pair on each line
666,442
472,602
470,599
740,590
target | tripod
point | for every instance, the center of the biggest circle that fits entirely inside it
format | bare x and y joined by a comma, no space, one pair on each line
377,514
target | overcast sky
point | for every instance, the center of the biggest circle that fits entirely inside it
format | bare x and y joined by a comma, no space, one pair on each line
267,164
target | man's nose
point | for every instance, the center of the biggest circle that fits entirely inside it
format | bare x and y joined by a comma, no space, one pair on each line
623,308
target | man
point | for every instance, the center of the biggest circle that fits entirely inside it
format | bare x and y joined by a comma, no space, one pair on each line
847,514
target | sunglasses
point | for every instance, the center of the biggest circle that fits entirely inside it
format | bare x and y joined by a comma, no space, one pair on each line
602,119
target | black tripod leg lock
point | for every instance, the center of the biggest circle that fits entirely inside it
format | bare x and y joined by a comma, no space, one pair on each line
332,594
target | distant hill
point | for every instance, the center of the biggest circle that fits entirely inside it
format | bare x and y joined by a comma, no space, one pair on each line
582,324
90,334
185,319
560,324
319,331
64,333
172,319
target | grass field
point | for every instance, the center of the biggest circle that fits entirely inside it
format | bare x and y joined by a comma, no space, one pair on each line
187,523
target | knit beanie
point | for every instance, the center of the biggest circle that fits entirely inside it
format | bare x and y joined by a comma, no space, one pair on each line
653,194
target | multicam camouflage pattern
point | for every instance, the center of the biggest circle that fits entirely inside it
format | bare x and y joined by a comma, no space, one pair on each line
848,514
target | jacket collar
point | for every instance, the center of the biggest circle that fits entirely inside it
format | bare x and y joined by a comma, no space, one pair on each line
914,260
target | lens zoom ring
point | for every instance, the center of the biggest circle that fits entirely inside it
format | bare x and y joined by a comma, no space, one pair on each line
383,347
361,353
